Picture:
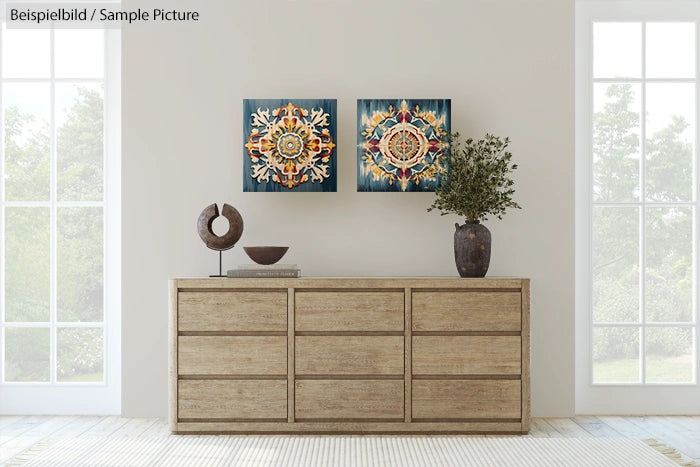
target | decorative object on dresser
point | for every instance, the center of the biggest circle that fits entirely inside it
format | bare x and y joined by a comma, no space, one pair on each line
266,258
350,355
224,242
265,267
477,185
401,143
251,271
265,254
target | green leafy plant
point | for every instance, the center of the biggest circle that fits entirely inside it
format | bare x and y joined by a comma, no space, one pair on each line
477,183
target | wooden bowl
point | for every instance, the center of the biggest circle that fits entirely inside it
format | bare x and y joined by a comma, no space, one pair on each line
265,254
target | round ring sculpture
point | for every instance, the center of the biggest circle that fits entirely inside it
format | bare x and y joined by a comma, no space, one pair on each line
223,242
206,233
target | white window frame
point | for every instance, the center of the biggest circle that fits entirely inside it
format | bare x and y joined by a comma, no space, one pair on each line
65,398
623,398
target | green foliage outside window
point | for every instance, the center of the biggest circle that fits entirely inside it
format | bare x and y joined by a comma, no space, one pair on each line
79,257
668,271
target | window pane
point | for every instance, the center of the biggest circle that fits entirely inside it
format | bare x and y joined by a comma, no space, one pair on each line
669,270
79,269
670,136
616,137
80,354
670,50
20,44
615,264
617,50
27,264
79,53
27,354
79,145
615,355
27,147
669,354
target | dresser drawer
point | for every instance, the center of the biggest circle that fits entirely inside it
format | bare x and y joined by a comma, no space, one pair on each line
349,399
466,399
349,355
466,355
349,311
240,399
232,311
232,355
465,311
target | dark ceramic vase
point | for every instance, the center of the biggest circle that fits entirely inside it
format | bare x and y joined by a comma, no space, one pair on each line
472,249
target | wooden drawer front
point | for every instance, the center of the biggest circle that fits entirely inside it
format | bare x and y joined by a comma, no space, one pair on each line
466,311
466,355
349,355
349,399
460,399
208,399
232,355
349,311
232,311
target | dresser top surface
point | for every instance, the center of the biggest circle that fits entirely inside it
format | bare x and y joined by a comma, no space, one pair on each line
354,282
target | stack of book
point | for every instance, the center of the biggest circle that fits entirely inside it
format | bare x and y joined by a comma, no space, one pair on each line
260,270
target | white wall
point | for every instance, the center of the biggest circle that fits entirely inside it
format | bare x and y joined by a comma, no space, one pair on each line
507,65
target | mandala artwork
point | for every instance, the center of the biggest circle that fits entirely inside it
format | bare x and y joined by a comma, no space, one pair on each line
402,144
289,145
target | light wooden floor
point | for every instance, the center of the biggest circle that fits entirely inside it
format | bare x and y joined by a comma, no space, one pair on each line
19,433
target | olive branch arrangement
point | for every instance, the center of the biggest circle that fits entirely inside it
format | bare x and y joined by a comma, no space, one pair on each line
477,183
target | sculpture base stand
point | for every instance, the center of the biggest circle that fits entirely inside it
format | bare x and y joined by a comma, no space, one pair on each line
220,270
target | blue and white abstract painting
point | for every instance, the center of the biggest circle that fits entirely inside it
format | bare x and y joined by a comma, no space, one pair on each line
289,145
402,144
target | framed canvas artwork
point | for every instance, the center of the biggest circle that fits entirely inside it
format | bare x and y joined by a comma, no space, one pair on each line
289,145
401,143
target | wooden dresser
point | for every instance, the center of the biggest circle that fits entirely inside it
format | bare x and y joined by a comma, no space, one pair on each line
350,355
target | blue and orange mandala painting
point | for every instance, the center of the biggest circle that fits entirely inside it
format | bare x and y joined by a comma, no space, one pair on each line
402,144
289,145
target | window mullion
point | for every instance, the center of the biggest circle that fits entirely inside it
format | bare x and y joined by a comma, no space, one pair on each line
2,221
696,231
106,124
53,216
590,201
640,80
690,324
660,204
642,212
60,204
55,80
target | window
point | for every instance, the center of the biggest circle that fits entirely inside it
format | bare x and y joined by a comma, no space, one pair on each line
637,202
59,218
